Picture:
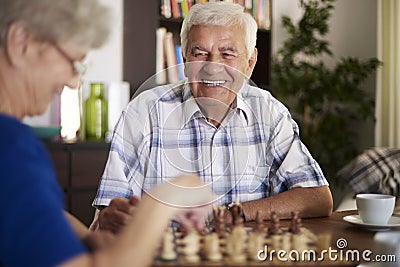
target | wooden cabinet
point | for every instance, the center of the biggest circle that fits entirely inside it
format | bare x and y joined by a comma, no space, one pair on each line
140,25
79,167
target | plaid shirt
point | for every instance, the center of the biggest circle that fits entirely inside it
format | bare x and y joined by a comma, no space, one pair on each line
255,153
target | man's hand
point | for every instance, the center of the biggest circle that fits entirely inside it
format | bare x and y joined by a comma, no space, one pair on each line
117,214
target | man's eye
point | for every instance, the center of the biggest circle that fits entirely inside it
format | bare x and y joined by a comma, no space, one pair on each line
200,54
229,55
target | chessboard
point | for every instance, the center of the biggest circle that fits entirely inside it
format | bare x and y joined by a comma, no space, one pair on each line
264,244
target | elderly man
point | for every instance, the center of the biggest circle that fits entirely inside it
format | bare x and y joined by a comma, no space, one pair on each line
236,137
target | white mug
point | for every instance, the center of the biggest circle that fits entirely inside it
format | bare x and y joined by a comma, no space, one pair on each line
375,208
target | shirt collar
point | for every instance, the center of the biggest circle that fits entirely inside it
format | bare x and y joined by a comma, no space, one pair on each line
191,109
242,106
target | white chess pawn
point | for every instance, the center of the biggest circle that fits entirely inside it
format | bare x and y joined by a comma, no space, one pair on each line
236,244
276,242
167,251
255,244
191,247
286,242
211,247
323,242
299,242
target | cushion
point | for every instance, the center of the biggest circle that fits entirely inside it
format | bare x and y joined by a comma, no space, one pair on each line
376,170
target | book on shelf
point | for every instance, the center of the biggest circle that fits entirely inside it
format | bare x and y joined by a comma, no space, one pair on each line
261,13
176,13
166,8
161,77
259,9
179,62
169,59
169,46
184,7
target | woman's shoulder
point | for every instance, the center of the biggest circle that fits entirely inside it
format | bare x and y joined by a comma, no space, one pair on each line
15,134
11,127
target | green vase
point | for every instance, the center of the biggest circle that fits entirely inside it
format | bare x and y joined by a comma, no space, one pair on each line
96,113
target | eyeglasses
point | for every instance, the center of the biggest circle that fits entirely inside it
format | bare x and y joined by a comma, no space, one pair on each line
78,67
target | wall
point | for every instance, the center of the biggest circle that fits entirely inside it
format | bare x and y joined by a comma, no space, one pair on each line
352,33
106,62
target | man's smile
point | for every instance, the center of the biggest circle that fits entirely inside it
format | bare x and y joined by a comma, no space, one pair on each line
213,82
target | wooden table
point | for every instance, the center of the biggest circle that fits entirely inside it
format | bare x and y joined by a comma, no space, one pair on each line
352,240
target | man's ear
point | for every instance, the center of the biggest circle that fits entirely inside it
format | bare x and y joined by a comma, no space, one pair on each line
17,40
252,63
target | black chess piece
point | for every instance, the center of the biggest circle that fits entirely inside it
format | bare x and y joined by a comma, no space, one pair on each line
296,223
275,224
259,227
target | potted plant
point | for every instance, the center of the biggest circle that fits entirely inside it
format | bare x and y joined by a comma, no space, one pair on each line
323,101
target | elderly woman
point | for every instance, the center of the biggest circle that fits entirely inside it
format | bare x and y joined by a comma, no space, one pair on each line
42,43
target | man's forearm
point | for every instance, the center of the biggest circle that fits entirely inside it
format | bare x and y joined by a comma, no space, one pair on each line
309,201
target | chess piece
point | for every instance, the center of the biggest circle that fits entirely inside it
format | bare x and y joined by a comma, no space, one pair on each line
259,226
236,244
274,228
167,251
323,242
276,242
299,242
211,247
191,247
286,242
255,244
237,214
295,226
219,220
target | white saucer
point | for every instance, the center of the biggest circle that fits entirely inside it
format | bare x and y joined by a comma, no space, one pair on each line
356,220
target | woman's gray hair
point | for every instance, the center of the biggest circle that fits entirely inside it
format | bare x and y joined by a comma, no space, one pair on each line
220,14
85,23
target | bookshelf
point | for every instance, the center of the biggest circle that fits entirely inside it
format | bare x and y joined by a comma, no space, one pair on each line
140,25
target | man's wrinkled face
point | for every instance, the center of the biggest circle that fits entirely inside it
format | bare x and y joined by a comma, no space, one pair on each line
217,63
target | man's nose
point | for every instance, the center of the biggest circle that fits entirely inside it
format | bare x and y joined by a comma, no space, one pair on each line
213,65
